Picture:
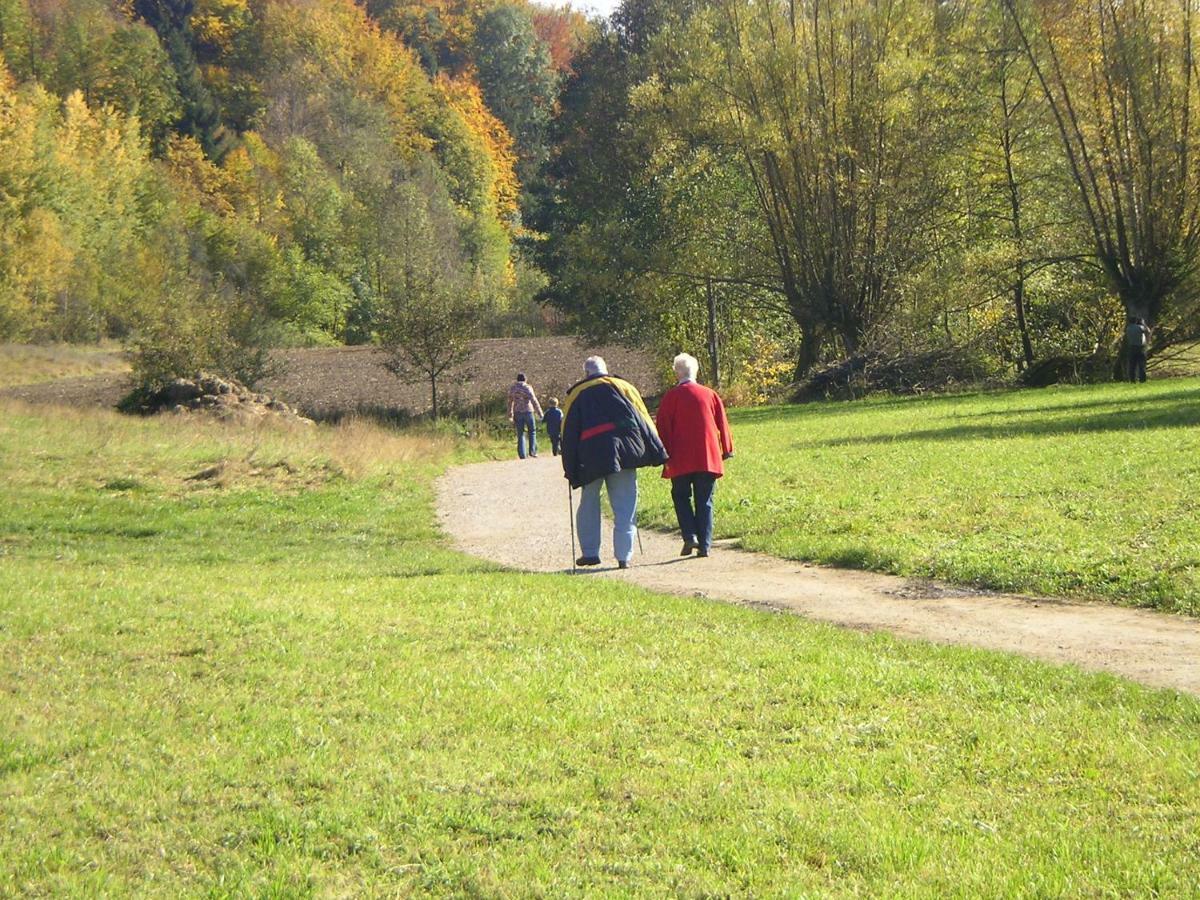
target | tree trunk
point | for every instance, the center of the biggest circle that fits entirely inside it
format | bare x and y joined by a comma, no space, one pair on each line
1022,327
433,396
810,351
713,347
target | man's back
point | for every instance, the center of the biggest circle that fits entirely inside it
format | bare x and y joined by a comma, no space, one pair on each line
607,428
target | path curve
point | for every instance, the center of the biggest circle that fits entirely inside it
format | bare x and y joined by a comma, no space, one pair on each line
515,513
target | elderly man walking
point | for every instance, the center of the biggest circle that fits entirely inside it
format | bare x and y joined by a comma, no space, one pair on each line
695,432
607,435
524,411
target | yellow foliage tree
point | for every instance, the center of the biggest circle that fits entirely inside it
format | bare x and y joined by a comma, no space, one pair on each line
464,97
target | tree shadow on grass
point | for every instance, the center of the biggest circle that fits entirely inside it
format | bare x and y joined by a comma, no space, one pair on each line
1176,410
847,407
1134,401
1137,394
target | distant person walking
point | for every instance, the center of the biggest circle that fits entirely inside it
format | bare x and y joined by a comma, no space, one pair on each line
553,419
524,411
1137,339
607,435
696,434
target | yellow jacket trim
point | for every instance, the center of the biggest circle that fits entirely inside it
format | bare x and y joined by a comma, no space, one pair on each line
627,390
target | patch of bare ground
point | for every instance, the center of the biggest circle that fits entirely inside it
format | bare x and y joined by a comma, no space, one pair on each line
476,508
330,383
104,391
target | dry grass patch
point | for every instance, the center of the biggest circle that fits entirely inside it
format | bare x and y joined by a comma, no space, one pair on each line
22,364
188,453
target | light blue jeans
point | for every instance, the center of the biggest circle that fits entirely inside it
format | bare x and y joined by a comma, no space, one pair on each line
622,494
526,424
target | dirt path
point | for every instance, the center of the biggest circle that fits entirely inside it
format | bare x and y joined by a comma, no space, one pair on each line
515,513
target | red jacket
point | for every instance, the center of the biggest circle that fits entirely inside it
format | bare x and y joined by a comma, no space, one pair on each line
694,429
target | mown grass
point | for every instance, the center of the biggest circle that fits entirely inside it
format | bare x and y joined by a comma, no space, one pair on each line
35,363
275,680
1087,492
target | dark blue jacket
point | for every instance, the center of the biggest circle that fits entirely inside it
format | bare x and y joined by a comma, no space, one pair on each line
553,418
606,429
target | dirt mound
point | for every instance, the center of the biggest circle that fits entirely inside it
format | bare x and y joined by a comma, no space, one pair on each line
214,396
1069,370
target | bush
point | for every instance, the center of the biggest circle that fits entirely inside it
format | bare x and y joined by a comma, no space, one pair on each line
877,371
216,333
1068,369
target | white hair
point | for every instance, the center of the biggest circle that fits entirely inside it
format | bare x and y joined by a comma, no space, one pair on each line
686,366
595,365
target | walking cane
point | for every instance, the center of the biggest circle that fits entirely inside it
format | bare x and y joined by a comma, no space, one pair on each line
571,508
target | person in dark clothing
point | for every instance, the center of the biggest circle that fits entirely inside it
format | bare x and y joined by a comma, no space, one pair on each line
607,435
1137,339
553,417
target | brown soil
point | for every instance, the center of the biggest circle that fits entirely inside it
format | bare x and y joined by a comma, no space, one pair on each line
328,383
92,390
476,508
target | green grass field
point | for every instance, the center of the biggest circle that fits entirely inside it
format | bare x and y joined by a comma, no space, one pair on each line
242,662
1081,491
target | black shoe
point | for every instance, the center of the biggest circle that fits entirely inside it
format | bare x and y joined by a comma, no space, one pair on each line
622,564
533,455
703,551
688,547
588,561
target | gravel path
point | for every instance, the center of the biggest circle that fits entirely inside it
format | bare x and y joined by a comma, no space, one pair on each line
515,513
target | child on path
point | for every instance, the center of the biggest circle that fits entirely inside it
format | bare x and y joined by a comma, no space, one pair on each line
553,420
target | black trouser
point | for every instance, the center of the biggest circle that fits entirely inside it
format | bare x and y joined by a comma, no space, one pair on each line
556,443
1137,363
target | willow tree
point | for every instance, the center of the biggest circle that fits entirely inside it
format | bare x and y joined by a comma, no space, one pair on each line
837,113
1120,81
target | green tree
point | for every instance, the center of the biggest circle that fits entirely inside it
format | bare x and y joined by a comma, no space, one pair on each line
518,81
201,115
428,303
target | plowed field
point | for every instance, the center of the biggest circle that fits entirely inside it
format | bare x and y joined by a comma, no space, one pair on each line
328,383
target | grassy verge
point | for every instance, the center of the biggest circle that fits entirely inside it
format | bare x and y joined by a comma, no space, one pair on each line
1085,492
32,364
242,662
